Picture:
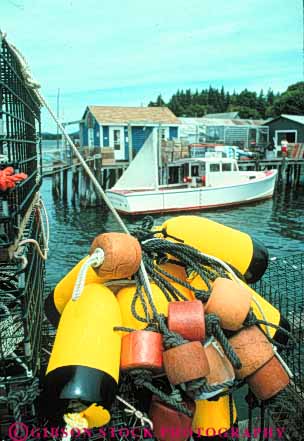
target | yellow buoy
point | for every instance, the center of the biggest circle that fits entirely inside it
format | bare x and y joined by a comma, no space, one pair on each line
212,418
85,360
59,297
238,249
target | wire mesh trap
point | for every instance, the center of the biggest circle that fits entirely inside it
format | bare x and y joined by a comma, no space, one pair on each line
20,145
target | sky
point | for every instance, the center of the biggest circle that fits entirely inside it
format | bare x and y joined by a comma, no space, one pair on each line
126,52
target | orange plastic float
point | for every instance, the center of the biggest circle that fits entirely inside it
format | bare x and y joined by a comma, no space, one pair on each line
252,348
230,301
142,349
186,362
169,423
122,255
269,380
187,319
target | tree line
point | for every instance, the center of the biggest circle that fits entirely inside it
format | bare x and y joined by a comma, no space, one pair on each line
248,104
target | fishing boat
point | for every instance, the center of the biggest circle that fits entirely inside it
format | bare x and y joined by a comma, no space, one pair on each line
190,184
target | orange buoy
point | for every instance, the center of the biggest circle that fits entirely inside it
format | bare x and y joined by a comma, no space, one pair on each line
269,380
221,370
185,362
122,255
142,349
187,319
253,350
169,423
230,301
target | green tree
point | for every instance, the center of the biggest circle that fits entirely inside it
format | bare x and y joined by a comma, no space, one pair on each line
291,101
261,105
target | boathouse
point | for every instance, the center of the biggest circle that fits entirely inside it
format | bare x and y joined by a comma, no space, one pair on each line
290,127
239,132
125,129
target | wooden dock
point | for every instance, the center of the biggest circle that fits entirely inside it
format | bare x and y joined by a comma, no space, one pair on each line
289,170
82,186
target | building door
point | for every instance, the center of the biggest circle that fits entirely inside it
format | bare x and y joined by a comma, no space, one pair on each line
117,142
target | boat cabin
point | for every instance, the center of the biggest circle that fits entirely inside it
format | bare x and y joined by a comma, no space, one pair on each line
198,172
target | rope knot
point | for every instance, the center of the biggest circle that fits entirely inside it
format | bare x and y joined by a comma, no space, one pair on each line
212,322
170,339
201,295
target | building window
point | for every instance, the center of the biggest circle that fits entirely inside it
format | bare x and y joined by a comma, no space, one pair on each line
117,140
163,133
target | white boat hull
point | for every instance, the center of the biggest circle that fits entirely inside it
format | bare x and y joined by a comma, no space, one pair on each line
182,199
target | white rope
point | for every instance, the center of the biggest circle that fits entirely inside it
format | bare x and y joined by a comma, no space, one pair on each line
45,228
95,260
45,237
137,413
35,243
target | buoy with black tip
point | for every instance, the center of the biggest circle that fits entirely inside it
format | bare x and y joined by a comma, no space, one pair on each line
238,249
85,359
122,257
215,416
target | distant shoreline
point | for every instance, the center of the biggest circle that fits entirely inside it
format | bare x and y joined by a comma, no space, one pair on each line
54,136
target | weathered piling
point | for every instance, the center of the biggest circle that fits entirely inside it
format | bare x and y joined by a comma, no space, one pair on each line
65,184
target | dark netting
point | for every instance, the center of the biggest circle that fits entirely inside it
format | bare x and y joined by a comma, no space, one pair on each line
283,286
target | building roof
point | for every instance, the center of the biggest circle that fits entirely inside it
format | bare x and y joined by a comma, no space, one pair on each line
125,115
296,118
227,115
221,122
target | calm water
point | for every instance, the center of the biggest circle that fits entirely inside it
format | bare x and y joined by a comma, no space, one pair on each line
278,223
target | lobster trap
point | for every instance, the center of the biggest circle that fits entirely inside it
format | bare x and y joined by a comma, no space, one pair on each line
21,314
20,145
283,286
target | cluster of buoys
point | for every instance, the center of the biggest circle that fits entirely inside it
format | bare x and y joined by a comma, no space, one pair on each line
200,346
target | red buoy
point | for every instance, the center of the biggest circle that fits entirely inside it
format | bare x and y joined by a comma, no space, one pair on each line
186,362
252,348
269,380
187,319
143,350
169,423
